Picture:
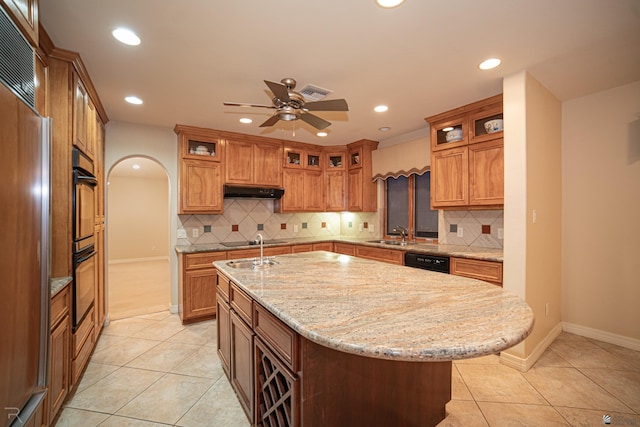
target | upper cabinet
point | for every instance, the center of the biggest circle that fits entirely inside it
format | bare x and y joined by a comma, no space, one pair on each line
251,162
200,154
302,179
25,15
467,156
335,179
362,190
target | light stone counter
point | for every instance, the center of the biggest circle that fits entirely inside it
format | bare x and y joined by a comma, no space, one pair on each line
386,311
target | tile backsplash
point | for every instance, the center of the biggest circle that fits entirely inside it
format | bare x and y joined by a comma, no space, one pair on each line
471,228
243,219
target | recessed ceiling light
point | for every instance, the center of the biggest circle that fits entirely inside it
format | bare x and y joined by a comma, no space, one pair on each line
384,129
322,134
126,36
389,3
133,100
136,166
381,109
246,120
447,129
490,63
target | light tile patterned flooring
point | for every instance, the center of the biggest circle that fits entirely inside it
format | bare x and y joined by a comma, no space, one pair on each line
151,370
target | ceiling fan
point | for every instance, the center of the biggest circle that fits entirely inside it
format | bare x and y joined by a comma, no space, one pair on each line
290,105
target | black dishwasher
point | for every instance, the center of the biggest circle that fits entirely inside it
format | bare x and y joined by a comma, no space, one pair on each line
427,262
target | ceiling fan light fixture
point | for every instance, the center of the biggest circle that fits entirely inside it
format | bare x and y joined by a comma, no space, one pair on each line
490,64
126,36
388,4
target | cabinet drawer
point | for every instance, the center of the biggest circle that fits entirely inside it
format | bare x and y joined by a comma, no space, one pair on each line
241,303
60,305
278,336
489,271
83,333
325,246
301,248
202,260
344,248
223,287
255,253
82,357
379,254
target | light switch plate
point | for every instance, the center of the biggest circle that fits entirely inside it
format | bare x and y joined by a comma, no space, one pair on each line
182,234
460,232
295,228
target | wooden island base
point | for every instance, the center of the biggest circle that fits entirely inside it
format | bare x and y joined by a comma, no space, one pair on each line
341,389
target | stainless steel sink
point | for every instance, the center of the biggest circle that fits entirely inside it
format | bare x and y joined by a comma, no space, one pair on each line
252,263
392,242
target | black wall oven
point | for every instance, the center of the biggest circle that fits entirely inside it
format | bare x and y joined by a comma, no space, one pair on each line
84,259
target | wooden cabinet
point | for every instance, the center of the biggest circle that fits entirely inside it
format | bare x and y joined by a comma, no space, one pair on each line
200,187
25,15
197,285
467,169
335,180
362,191
255,253
242,363
80,115
302,178
344,248
380,254
251,162
99,292
489,271
59,350
83,343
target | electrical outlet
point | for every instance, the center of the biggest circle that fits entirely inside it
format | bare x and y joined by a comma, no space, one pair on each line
460,232
328,226
371,228
360,227
500,233
195,232
295,228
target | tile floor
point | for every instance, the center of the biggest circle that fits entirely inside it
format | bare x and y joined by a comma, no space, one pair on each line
151,370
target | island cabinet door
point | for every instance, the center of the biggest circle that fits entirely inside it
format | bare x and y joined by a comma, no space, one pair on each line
277,391
223,325
242,363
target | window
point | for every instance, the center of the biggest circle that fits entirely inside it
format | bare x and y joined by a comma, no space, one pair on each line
408,205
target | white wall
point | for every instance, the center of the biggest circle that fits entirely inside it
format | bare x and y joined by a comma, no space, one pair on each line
532,214
125,140
601,215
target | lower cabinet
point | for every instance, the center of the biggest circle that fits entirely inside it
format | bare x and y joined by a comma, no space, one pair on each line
197,286
489,271
381,254
223,325
59,351
242,362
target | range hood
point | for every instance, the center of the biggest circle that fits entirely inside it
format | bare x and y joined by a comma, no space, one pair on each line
253,192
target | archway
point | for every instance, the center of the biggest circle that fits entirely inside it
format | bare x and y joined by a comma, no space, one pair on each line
138,238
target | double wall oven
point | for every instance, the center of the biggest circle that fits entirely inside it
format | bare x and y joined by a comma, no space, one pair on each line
84,253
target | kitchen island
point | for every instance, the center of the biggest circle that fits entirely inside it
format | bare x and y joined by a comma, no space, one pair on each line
357,342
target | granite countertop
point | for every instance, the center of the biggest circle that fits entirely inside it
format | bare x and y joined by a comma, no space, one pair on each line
486,254
386,311
58,283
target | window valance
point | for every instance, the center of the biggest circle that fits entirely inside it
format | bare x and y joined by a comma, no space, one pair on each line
401,159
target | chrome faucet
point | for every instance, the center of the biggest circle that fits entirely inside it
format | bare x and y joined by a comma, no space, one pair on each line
403,233
259,238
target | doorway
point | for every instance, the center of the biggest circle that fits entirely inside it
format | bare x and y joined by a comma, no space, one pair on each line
138,239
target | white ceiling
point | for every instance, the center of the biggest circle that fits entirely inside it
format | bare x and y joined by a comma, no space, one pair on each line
419,59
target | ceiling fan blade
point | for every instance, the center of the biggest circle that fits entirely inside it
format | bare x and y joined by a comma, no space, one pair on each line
279,90
329,105
315,121
270,121
244,104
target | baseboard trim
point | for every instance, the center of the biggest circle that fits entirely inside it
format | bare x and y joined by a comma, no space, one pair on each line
173,309
597,334
134,260
524,364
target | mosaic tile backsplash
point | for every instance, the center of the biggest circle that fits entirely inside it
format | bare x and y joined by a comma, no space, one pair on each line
471,228
243,219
